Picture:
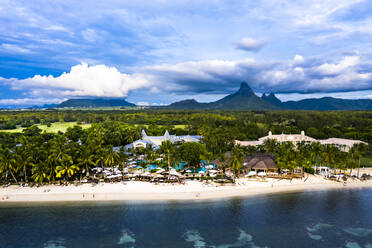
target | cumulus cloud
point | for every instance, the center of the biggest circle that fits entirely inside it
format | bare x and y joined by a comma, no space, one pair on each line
82,80
302,75
208,77
249,44
336,68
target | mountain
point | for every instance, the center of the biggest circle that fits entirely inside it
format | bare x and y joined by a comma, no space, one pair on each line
328,103
271,98
243,99
45,106
187,104
94,103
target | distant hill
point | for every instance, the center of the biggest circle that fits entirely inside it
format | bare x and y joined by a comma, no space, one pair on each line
188,104
94,103
328,103
245,99
45,106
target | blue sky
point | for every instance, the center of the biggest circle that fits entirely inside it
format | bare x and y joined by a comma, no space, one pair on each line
156,52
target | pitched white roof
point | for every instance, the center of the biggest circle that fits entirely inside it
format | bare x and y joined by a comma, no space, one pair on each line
341,142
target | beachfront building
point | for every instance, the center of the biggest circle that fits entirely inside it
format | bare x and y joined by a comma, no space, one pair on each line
155,141
259,165
343,144
295,138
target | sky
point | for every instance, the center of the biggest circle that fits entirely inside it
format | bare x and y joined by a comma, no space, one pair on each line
155,52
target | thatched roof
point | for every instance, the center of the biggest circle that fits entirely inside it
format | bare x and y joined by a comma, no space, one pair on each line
261,162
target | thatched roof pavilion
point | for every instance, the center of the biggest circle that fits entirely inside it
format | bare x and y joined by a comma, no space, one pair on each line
264,162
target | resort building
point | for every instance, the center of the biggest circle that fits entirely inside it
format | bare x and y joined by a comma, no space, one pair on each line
343,144
155,141
260,165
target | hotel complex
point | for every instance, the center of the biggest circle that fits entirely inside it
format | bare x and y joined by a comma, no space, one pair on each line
155,141
343,144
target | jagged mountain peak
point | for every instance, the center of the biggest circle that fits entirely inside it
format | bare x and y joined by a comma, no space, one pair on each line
245,90
271,98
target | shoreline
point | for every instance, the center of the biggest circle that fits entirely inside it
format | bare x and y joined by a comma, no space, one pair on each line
147,192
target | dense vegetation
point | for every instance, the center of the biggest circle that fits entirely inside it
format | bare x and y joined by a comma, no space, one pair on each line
33,155
241,125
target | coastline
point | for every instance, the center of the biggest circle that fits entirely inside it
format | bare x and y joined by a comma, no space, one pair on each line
147,192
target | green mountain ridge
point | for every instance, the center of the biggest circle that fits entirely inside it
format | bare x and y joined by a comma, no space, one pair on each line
246,99
94,103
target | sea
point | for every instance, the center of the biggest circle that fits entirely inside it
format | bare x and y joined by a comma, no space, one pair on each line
333,218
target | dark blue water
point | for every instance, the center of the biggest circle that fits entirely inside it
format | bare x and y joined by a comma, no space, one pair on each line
315,219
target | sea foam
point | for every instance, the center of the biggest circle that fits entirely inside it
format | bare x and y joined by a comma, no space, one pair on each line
358,231
352,245
126,237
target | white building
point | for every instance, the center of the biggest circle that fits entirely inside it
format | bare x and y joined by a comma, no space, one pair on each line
343,144
156,141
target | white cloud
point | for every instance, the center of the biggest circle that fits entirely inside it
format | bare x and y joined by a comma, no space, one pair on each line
83,80
142,104
349,73
249,44
12,48
298,59
28,101
332,69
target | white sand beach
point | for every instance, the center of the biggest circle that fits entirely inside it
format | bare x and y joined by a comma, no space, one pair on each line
192,190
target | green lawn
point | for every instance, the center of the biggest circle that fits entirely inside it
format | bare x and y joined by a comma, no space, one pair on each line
54,128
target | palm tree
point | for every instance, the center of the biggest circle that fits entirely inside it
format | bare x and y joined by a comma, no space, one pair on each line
328,154
270,145
58,152
8,162
236,162
315,151
288,157
149,153
167,147
39,172
24,160
86,159
355,155
110,157
122,159
66,168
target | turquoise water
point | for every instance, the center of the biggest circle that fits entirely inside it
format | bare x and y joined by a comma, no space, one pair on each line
312,219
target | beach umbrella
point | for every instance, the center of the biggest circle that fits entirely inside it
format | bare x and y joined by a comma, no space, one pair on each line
261,174
146,174
252,173
188,171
